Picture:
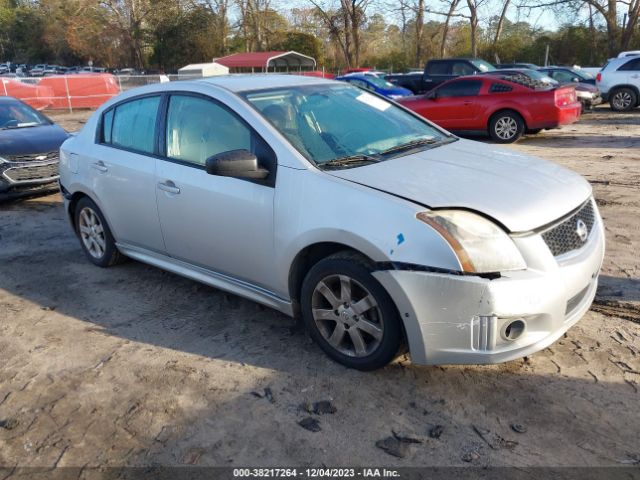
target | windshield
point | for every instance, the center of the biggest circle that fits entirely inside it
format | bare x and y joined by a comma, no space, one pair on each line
331,122
19,115
483,66
582,74
380,82
536,75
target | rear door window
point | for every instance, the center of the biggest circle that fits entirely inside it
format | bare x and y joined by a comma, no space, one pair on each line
132,125
439,68
462,88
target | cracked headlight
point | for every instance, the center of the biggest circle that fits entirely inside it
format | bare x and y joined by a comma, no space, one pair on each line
480,245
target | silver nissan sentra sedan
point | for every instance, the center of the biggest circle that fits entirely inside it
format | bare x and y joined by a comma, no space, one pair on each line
377,228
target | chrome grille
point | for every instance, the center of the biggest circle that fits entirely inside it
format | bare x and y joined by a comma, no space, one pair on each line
32,173
564,237
33,157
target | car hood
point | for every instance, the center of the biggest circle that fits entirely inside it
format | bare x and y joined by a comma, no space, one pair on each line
519,191
23,141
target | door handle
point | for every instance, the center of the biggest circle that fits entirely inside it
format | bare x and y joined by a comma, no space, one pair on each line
100,166
169,186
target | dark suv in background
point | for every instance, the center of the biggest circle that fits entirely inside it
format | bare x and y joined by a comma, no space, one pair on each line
439,71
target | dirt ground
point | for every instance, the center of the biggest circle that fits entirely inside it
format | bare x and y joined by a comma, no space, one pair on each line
135,366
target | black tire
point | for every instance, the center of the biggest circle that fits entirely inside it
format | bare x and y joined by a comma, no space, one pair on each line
387,343
109,254
623,99
498,123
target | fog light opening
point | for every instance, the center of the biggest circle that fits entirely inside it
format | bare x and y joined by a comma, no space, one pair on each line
514,330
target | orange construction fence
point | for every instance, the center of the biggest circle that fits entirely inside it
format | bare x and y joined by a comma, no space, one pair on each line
64,91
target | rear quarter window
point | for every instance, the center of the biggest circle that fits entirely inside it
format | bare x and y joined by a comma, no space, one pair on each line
631,65
107,125
500,88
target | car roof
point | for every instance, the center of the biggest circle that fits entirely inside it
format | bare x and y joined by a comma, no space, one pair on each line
357,77
241,82
618,61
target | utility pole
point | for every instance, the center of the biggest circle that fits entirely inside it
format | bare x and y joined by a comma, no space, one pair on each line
546,56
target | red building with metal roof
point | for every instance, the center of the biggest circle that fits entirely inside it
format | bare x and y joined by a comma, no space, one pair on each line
267,61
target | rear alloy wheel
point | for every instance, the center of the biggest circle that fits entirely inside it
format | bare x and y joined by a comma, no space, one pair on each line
623,100
94,234
506,127
349,314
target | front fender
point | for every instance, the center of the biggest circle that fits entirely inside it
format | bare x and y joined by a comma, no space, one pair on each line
314,207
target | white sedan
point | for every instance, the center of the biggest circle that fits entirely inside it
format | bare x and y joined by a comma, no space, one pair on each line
313,197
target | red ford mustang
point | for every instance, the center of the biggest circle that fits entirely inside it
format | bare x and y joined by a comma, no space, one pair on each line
505,106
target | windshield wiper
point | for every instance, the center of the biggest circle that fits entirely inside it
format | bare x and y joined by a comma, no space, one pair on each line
350,159
15,127
409,145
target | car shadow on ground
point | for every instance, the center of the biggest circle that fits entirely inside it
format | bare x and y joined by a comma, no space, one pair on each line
621,288
146,304
141,306
599,118
567,140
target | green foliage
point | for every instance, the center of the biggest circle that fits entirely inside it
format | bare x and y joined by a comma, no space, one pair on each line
302,43
28,24
189,37
168,34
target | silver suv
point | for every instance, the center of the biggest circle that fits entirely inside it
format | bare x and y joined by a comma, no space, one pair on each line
619,83
339,206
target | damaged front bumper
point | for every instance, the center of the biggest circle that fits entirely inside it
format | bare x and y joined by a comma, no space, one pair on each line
460,319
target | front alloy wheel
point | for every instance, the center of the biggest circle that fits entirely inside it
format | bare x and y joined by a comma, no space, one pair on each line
623,100
349,314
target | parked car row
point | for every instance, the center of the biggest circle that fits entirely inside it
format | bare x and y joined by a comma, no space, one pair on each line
44,69
359,215
617,83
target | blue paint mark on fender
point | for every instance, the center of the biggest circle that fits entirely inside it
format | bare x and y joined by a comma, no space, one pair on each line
400,238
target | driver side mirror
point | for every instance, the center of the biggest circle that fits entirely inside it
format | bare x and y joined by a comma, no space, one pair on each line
432,94
237,164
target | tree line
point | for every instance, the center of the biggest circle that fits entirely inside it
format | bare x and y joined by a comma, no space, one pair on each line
386,34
